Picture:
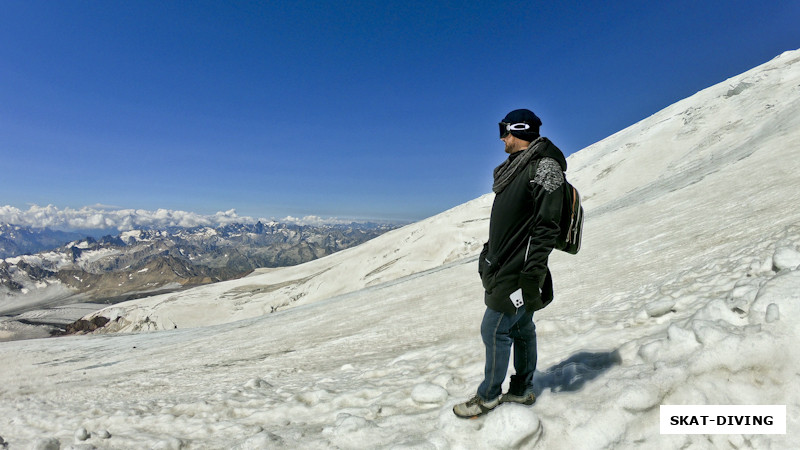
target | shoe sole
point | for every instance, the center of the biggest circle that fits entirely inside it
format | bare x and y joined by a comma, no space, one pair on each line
474,416
527,402
483,412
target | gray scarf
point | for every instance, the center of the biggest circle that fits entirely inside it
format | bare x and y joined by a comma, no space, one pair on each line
504,173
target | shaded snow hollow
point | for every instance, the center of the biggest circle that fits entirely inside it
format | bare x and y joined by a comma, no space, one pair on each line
686,291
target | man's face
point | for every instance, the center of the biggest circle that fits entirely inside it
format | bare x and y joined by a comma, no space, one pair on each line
511,143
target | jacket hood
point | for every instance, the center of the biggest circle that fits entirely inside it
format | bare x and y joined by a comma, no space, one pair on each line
549,150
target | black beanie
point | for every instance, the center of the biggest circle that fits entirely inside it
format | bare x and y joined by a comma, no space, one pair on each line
524,116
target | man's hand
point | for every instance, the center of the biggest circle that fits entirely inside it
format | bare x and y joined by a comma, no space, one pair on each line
531,286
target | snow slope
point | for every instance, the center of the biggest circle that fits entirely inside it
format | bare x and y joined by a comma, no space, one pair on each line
685,292
427,245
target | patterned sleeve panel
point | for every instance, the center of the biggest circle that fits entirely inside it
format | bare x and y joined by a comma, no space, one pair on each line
548,175
547,193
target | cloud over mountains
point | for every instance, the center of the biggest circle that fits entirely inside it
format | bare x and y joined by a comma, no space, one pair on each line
105,217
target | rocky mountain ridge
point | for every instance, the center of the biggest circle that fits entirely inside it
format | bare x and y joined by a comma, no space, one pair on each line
141,262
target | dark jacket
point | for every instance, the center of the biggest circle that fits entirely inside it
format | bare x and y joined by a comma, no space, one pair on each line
522,232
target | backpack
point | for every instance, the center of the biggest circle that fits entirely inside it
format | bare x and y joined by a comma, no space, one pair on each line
571,223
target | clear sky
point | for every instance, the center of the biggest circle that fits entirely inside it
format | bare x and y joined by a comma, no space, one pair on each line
358,109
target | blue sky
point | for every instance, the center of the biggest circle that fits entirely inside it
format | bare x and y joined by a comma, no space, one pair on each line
349,109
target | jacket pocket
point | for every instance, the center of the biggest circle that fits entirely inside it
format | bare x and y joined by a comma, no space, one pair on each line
482,261
487,269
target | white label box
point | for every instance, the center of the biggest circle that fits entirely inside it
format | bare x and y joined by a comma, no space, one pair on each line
723,419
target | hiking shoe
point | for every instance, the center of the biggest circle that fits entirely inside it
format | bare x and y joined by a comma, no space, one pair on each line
475,407
528,398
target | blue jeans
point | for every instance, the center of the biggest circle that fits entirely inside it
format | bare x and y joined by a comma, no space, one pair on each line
499,332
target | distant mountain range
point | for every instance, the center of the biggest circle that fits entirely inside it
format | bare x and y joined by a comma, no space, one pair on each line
18,240
49,267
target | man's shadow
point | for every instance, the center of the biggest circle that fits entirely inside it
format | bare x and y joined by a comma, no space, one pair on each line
571,374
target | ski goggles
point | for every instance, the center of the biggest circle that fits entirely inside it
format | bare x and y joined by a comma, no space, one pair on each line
506,128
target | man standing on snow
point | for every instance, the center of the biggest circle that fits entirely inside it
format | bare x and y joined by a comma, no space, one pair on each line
523,229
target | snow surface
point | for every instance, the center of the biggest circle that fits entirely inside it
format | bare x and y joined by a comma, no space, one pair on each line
686,291
39,323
